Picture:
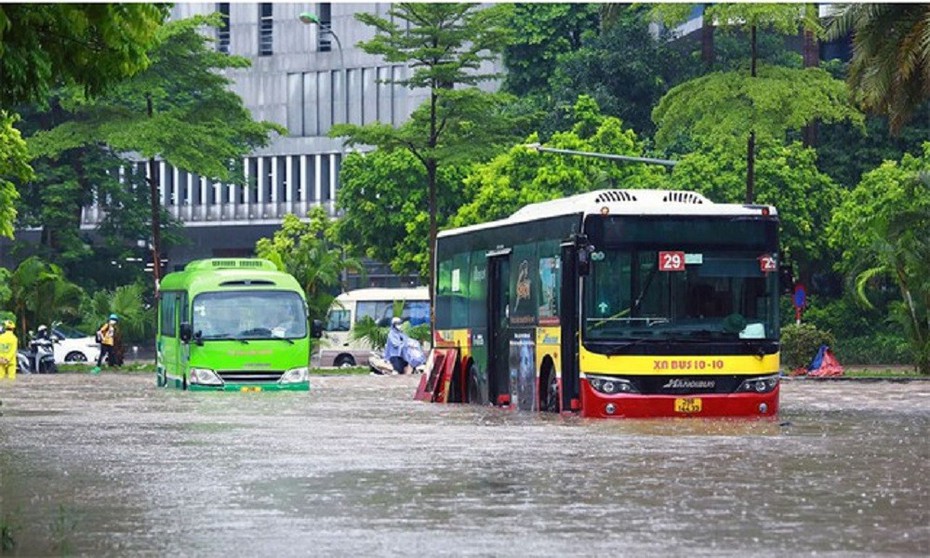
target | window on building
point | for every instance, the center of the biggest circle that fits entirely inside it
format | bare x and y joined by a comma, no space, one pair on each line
265,29
325,40
222,32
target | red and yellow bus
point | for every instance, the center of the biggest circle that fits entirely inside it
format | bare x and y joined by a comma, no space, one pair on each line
614,303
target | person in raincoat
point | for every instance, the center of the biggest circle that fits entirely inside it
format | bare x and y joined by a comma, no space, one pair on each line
107,336
8,346
394,347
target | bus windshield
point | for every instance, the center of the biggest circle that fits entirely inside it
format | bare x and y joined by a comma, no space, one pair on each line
682,281
246,315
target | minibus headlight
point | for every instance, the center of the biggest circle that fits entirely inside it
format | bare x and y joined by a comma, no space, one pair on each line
296,376
205,376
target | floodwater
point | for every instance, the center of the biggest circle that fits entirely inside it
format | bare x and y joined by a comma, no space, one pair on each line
109,465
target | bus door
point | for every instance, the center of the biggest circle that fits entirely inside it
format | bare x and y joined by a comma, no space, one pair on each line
169,344
498,327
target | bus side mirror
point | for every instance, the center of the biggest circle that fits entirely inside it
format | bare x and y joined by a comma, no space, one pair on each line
316,329
186,332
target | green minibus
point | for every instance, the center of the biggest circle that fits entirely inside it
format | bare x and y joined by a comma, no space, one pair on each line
233,325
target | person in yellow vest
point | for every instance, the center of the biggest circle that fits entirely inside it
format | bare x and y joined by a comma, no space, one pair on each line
8,346
106,336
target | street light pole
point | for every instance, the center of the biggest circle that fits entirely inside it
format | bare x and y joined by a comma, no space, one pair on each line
625,158
308,18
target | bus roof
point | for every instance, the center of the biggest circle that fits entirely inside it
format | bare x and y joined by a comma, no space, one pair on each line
376,293
230,273
622,202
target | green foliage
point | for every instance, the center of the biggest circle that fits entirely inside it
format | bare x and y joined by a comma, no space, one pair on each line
367,330
197,123
800,343
307,250
13,157
722,107
890,68
522,176
626,69
136,318
40,294
783,18
882,229
543,33
383,205
91,45
786,177
445,44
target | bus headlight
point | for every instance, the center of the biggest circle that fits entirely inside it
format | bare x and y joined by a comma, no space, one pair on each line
295,376
205,376
611,386
765,384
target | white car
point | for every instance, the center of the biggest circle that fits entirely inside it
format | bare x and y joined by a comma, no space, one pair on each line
74,346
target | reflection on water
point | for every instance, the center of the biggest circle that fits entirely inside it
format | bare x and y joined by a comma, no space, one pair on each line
110,465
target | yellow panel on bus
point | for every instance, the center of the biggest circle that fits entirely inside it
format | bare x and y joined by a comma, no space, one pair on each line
678,364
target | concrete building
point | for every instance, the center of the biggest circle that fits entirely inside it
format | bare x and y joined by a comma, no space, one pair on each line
305,77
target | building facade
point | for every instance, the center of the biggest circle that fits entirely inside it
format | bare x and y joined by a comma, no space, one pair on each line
306,77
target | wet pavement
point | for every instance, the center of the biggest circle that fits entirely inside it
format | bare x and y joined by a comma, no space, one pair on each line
109,465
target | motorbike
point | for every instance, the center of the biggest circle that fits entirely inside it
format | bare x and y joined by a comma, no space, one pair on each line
38,357
412,352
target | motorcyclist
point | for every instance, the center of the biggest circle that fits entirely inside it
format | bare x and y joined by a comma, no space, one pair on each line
394,348
8,347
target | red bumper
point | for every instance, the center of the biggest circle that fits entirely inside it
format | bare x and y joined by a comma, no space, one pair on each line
747,405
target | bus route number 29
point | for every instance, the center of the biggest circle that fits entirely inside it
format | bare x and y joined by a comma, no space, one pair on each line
671,261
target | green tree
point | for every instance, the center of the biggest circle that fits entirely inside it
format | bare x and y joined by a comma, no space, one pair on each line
180,109
625,68
40,293
90,45
690,104
882,229
307,250
383,204
13,165
788,178
521,176
44,45
542,33
445,45
136,318
890,68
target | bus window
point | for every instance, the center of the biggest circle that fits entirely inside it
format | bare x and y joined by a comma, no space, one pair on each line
168,308
416,312
337,320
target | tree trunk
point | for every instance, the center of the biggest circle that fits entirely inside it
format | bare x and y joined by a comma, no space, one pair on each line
811,54
707,39
751,142
156,210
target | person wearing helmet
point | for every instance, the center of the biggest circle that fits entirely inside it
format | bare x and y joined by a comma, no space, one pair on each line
8,346
107,336
396,339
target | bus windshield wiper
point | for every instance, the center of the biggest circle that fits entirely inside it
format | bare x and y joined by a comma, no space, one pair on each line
291,341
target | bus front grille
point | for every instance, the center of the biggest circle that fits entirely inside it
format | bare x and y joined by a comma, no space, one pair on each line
250,376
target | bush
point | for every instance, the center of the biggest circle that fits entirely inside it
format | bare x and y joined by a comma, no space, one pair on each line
800,343
881,348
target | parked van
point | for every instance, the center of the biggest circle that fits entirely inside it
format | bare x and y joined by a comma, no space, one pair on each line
337,347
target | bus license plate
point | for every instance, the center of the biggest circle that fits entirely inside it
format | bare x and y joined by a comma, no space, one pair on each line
250,388
688,405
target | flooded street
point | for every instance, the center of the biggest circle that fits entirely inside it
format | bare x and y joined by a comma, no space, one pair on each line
109,465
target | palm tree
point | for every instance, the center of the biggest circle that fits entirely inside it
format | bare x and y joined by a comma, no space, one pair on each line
890,68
